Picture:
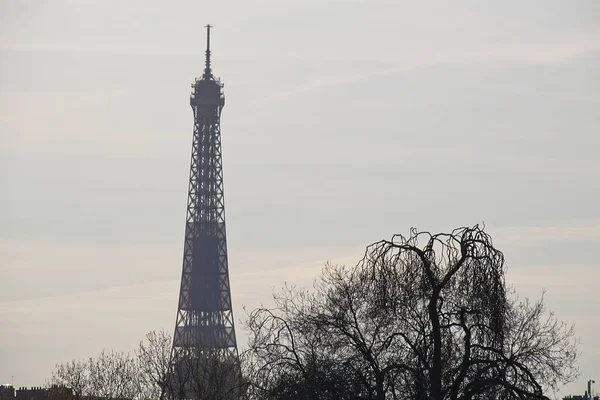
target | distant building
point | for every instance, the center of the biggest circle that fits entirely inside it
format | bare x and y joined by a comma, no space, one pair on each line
59,392
34,393
7,392
588,395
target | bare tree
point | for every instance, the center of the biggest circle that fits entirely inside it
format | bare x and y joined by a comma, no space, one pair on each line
154,361
289,356
413,321
73,375
113,375
156,372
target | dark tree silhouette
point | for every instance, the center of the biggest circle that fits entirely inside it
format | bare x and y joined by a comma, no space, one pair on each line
423,317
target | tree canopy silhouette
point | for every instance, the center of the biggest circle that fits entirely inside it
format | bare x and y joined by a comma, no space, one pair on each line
427,316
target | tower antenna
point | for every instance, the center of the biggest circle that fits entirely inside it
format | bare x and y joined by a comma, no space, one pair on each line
207,69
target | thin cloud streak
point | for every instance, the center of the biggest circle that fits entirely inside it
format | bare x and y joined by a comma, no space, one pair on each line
563,231
551,54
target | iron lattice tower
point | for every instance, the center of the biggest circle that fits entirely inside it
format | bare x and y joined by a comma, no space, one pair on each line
204,315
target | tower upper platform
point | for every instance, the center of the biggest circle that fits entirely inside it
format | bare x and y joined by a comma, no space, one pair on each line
207,90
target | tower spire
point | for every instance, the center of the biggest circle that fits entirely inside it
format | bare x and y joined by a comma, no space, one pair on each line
207,69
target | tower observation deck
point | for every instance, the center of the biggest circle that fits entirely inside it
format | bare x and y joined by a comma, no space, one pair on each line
204,316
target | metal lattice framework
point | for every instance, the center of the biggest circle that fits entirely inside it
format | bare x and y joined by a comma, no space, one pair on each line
204,315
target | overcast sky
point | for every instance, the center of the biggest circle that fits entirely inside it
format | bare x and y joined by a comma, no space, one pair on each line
345,122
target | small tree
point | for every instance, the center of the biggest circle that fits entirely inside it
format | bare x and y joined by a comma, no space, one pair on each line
288,356
72,375
153,359
423,317
113,375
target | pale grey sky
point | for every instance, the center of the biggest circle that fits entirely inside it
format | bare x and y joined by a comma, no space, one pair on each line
345,122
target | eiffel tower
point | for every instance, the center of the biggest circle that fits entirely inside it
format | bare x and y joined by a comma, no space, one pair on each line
204,316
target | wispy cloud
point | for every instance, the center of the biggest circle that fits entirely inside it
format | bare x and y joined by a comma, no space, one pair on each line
576,230
523,54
